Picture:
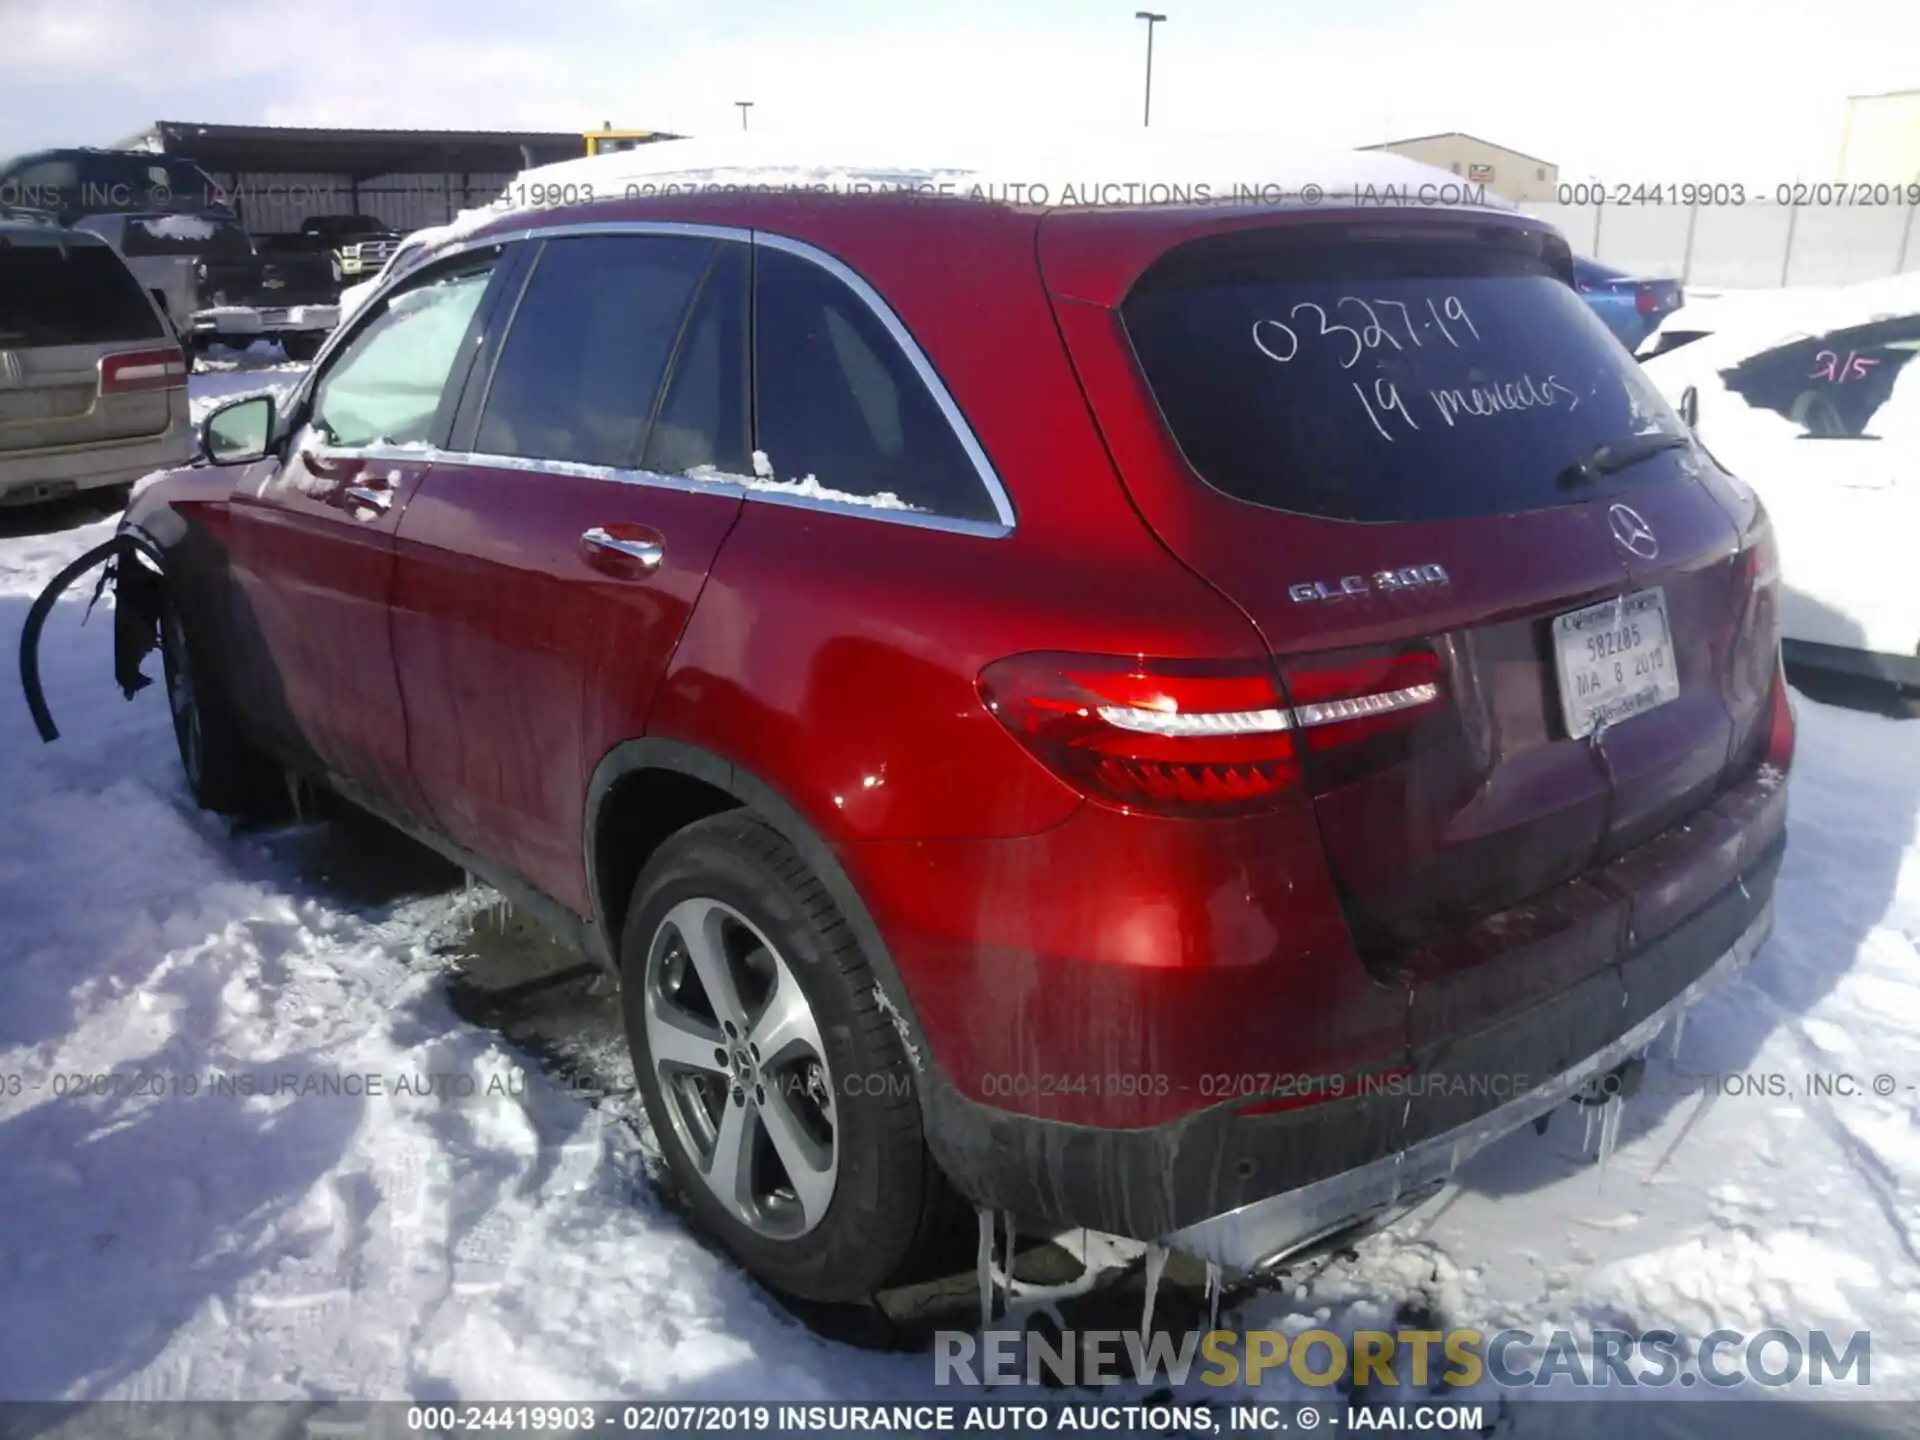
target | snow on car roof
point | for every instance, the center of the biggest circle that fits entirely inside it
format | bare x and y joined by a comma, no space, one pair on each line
1099,170
1743,324
1135,168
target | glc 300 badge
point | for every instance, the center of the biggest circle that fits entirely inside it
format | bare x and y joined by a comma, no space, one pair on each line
1382,582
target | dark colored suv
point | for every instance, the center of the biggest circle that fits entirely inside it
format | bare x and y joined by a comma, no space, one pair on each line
1182,721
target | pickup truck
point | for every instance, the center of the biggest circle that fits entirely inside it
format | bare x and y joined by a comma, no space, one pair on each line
217,288
355,246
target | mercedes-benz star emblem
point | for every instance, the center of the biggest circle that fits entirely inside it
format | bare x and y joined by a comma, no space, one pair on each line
1632,531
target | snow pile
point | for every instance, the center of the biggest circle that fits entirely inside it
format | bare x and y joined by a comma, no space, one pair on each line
764,481
1743,323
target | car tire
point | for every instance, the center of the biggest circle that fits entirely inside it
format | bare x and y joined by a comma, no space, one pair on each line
224,773
300,347
831,1194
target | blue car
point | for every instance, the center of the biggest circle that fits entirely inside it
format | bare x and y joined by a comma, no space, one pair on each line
1628,305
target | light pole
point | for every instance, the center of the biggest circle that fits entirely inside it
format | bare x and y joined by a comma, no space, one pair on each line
744,105
1146,116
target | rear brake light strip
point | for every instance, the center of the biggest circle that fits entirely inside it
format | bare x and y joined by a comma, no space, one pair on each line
1258,722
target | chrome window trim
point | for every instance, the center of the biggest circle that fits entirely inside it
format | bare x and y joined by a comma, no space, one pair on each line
999,528
916,357
686,484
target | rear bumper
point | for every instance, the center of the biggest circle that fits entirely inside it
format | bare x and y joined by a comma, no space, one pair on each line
1267,1230
1901,670
51,474
239,320
1565,996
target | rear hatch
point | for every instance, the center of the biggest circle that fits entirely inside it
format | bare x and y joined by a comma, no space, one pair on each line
1468,529
84,356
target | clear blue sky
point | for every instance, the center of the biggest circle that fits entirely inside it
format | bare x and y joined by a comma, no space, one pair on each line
1707,89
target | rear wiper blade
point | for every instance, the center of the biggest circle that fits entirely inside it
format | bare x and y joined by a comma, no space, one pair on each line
1612,458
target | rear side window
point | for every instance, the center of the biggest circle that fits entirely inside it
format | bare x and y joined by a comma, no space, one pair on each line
703,418
147,182
1376,379
1856,384
840,404
588,347
83,295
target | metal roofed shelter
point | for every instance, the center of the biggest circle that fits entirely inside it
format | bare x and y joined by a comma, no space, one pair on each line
279,175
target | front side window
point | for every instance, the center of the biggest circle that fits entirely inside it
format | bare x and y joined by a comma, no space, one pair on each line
385,388
1857,384
588,347
840,405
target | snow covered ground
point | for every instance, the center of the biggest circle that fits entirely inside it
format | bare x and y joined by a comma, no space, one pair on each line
315,1238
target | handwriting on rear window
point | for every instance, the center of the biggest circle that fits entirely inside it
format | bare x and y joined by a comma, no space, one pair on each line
1354,325
1358,324
1829,366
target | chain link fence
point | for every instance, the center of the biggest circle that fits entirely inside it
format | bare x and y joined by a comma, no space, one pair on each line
1754,246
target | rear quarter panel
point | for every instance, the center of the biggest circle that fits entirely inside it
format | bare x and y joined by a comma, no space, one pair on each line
834,655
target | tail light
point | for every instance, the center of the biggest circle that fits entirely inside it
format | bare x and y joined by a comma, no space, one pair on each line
135,370
1757,638
1780,733
1647,300
1197,738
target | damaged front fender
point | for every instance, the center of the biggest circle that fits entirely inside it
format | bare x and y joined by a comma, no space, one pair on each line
133,569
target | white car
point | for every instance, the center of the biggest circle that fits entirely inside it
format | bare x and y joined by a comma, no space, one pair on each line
1817,407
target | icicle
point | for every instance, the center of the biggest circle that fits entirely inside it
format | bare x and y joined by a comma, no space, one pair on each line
1156,1266
1679,1029
985,1263
1586,1139
1213,1295
1006,1277
1609,1131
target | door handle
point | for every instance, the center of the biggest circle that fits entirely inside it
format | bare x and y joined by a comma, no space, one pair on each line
372,499
646,554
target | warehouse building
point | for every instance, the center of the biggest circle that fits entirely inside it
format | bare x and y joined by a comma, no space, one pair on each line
277,176
1510,173
1882,140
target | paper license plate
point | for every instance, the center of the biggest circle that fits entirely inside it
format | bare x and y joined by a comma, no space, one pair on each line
1615,660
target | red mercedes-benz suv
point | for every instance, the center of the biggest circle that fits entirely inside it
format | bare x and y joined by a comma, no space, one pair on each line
1184,721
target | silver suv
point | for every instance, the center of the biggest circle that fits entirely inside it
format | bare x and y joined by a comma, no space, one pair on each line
93,384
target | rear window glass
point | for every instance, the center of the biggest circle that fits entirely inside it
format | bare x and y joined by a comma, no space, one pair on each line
206,236
1378,379
149,182
1854,384
84,296
98,183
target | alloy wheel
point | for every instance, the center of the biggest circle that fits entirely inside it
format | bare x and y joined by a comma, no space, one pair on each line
740,1064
